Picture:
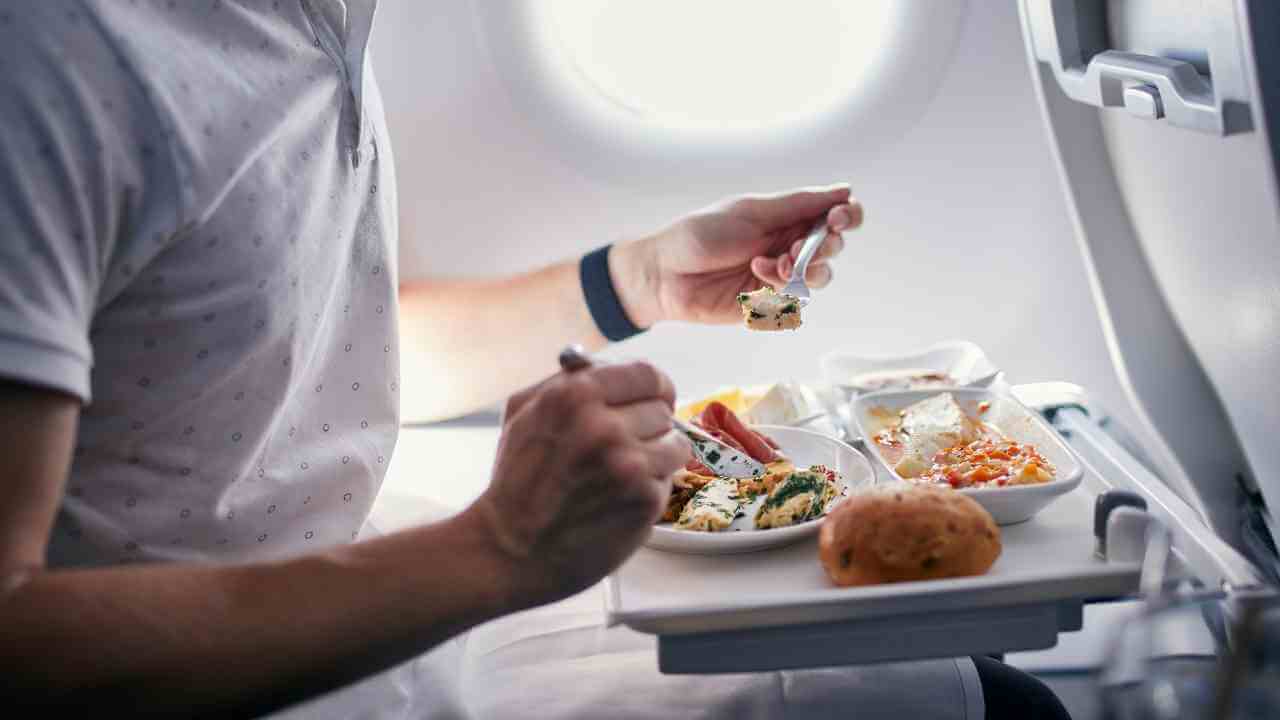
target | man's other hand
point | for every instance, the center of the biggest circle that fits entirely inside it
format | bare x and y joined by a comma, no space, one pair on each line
582,473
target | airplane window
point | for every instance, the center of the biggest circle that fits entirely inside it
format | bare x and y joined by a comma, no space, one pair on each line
721,64
634,91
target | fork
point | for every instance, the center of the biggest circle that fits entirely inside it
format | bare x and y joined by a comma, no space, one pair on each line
723,459
796,286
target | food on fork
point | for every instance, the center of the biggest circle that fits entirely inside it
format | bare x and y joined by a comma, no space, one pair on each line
934,442
778,470
901,532
702,501
801,496
685,482
765,309
722,424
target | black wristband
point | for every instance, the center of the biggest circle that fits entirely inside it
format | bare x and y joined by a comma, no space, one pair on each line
602,296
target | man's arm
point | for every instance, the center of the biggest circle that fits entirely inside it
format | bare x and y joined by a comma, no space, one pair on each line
230,640
466,344
469,343
581,474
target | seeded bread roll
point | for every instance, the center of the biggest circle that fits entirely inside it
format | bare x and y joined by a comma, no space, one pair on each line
905,532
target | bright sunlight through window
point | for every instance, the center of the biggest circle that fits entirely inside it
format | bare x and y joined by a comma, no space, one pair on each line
722,64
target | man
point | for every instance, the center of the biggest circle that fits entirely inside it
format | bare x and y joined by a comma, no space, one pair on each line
199,366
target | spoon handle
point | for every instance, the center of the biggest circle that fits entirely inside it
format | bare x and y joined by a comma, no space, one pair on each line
811,245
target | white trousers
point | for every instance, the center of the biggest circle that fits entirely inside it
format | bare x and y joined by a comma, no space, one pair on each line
560,662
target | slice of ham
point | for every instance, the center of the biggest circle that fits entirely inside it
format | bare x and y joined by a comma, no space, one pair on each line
721,423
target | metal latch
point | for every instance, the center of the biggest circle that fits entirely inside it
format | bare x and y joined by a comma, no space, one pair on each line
1143,101
1147,86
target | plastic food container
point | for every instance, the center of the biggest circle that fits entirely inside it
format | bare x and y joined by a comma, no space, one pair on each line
1010,504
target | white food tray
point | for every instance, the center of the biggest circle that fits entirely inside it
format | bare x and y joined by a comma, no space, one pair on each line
1007,505
776,609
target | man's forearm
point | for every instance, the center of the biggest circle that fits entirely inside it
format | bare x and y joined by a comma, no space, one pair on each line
470,343
243,640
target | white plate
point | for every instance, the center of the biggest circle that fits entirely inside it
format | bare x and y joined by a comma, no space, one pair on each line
960,359
1008,505
804,448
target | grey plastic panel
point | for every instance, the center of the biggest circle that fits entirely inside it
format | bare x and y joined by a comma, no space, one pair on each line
1196,450
1206,217
1093,61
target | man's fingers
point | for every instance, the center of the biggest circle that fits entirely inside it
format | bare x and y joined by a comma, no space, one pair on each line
830,247
522,397
783,209
616,384
818,275
646,420
667,453
847,216
626,383
766,271
777,270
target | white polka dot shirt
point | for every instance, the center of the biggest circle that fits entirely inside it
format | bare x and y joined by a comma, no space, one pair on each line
197,226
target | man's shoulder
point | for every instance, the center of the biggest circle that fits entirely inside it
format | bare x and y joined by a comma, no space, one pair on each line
61,68
221,79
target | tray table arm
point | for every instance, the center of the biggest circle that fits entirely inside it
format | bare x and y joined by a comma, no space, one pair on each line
1199,551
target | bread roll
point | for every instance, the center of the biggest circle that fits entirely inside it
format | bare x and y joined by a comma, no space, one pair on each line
907,532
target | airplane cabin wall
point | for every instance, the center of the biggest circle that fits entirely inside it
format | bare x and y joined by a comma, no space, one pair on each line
966,235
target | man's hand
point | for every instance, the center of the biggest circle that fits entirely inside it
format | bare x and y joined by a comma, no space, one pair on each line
691,271
582,474
694,270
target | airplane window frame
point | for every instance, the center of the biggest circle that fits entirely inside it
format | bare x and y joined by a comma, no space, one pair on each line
588,128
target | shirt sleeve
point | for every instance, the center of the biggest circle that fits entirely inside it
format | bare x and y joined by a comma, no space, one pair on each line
80,151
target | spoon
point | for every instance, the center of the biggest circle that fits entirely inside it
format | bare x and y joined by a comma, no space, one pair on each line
796,286
723,460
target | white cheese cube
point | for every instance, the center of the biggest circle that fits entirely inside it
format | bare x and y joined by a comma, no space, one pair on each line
781,405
